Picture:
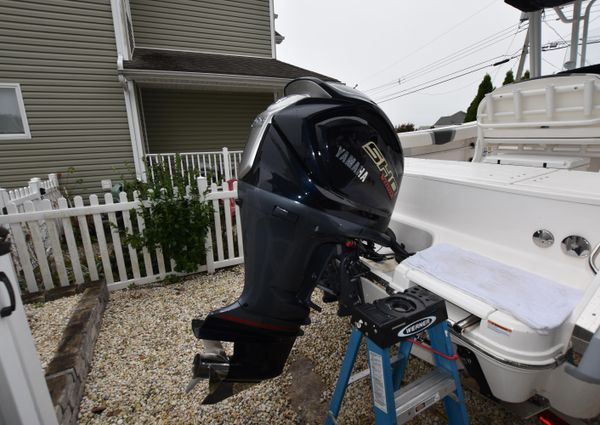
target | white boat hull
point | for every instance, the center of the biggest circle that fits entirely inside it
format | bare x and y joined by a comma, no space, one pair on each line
494,210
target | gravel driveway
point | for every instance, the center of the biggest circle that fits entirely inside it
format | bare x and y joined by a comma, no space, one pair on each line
144,354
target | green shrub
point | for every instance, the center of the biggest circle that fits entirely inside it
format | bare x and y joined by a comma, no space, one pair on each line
176,217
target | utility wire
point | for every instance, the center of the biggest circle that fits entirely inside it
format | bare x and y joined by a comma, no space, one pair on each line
417,88
548,14
469,84
508,48
463,56
495,59
456,56
448,75
550,48
430,42
465,51
431,85
383,96
551,64
441,63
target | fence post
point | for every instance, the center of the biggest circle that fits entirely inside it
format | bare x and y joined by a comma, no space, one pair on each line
202,186
4,200
226,164
210,258
53,177
35,184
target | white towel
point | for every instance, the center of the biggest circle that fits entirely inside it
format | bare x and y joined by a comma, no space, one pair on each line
540,303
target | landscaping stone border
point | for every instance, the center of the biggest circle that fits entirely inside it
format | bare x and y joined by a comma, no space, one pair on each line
56,293
67,372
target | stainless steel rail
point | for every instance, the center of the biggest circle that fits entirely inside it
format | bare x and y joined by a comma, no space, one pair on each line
592,259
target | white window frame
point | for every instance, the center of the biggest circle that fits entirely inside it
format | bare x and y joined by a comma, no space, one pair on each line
26,133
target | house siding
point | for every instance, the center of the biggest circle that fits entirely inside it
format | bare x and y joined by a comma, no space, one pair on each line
63,54
240,27
192,121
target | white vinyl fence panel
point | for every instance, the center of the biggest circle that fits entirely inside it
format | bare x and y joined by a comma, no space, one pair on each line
218,166
35,190
90,246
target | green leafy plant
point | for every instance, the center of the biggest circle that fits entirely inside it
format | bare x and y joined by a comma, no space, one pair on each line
484,87
175,215
406,127
509,78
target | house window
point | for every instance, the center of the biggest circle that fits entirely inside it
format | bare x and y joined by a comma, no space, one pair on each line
13,121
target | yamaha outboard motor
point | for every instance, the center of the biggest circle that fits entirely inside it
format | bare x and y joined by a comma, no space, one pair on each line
317,185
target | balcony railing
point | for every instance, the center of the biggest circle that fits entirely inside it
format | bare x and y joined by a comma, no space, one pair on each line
217,166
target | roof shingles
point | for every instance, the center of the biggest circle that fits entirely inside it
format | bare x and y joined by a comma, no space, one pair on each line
167,60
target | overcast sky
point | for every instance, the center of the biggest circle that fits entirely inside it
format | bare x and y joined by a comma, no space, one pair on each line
378,42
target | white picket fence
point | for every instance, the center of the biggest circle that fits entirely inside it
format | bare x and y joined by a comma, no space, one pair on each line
221,166
90,246
36,189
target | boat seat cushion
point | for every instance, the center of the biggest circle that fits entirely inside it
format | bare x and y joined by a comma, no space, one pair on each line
538,302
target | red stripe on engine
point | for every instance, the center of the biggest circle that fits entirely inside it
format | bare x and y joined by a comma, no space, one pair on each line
255,324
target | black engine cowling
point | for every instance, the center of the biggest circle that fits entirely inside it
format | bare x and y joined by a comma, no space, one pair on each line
320,173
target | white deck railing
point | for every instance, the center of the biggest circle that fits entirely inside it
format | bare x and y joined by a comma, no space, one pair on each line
220,166
90,246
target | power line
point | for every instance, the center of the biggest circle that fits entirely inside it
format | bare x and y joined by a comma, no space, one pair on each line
466,51
487,41
551,64
560,47
459,57
555,32
507,49
470,83
445,61
416,88
460,54
494,62
499,36
430,42
432,85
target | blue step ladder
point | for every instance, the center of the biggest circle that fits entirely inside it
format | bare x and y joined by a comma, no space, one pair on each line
391,403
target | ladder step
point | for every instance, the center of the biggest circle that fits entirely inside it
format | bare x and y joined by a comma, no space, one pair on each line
365,373
417,396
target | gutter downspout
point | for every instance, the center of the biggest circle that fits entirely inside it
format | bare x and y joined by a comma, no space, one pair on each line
131,106
272,19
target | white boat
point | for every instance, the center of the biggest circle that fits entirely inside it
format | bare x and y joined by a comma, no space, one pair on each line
452,143
529,205
498,211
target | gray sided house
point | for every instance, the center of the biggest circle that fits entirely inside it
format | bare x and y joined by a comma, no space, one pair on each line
456,118
92,84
